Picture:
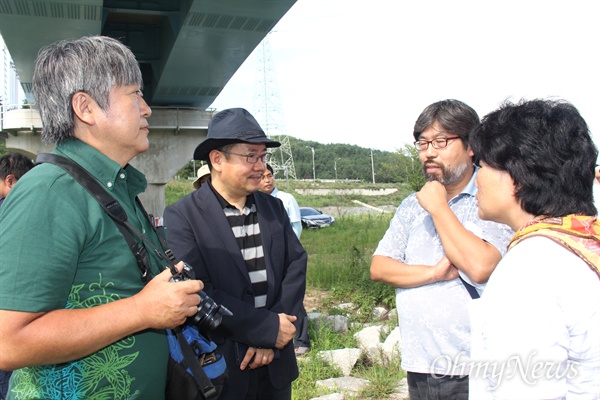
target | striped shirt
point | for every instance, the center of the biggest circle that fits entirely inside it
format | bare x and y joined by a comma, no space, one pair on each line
246,230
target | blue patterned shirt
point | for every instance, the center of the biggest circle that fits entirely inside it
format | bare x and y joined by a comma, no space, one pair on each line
433,319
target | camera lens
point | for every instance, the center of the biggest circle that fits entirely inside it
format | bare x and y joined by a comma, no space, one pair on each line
210,314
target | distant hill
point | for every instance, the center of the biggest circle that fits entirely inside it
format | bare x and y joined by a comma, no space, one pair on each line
352,162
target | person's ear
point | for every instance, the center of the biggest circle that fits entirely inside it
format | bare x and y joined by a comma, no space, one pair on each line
471,153
84,107
10,181
216,159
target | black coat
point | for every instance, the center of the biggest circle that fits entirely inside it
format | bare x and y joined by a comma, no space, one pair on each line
198,233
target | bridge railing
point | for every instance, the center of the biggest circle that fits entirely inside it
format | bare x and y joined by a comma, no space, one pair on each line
23,117
19,117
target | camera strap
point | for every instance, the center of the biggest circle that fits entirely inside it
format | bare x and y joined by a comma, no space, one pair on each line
112,207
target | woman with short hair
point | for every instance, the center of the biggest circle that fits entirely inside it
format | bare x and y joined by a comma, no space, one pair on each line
536,328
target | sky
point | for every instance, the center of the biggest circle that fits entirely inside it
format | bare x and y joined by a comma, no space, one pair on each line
361,71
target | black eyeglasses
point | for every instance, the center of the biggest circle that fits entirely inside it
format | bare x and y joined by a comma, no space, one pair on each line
252,158
437,143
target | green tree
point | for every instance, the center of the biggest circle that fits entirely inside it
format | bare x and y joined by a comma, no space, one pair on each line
188,171
351,162
403,166
413,171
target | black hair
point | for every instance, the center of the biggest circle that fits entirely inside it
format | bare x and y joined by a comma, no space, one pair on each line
452,116
14,164
270,168
546,147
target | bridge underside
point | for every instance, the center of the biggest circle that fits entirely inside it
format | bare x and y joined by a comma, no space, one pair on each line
187,49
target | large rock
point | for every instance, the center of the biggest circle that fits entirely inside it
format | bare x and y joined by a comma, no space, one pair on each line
337,323
380,313
393,315
392,345
345,384
344,359
369,337
346,306
332,396
369,341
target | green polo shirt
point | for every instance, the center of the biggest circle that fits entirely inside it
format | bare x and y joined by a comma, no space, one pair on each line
59,249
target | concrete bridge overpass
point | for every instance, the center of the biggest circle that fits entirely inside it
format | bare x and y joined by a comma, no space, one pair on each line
187,50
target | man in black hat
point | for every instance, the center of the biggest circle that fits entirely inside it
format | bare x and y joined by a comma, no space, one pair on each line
242,246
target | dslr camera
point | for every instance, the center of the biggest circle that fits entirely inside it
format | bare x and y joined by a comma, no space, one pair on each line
210,314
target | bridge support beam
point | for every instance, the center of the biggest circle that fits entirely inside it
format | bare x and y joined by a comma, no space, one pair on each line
174,134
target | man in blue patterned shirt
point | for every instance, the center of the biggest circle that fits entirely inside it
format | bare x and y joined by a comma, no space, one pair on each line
434,240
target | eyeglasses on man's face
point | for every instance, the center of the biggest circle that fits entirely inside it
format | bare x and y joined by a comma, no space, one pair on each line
267,177
437,143
252,158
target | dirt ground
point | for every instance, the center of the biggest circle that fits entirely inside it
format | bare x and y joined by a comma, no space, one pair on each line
313,299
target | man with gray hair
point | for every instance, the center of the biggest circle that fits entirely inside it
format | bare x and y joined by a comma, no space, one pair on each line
77,319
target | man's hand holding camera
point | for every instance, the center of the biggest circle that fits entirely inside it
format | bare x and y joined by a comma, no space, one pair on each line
167,304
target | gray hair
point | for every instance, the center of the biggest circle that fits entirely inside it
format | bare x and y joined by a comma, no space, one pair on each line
453,116
93,65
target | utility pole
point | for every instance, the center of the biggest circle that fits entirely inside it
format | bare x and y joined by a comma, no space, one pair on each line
287,178
313,158
335,167
372,166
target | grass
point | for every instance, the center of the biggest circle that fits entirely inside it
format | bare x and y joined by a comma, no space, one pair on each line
313,368
175,189
383,380
339,258
338,263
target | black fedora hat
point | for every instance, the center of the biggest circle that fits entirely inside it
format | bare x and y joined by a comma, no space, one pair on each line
233,125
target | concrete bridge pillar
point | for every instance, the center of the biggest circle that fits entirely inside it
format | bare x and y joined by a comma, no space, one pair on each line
174,134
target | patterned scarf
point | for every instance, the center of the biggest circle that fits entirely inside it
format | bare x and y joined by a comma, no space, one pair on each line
577,233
